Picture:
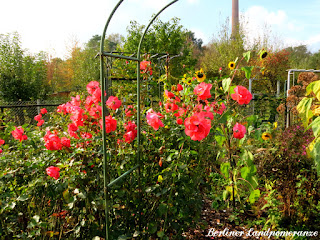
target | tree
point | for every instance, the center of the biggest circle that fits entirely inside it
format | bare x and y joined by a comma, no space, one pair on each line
22,77
299,57
221,50
165,37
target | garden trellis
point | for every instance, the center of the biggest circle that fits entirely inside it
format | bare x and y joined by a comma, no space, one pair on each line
290,80
105,83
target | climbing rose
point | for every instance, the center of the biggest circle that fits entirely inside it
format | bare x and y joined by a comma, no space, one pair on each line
66,142
113,103
53,172
153,119
131,133
130,111
239,131
168,94
111,124
171,107
145,66
17,133
40,123
179,121
92,86
43,111
202,90
52,141
38,117
179,87
241,95
197,126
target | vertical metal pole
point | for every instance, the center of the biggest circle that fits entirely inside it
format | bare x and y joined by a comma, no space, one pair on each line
138,105
288,87
106,177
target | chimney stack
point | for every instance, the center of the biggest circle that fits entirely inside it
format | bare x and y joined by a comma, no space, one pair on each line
235,17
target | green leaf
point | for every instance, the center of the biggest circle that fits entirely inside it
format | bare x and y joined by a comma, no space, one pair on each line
304,110
247,71
224,168
315,125
160,234
23,197
246,56
226,84
254,196
315,153
315,88
245,172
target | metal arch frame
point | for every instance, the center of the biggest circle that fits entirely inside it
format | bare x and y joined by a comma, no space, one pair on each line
107,183
291,73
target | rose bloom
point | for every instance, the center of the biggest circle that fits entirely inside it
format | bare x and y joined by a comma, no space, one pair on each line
66,142
113,103
92,86
239,131
53,172
130,111
52,141
241,95
17,133
153,120
38,117
111,124
197,126
43,111
179,87
40,123
202,90
144,65
168,94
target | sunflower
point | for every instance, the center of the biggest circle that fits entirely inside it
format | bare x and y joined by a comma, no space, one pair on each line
266,136
263,54
200,75
187,80
232,65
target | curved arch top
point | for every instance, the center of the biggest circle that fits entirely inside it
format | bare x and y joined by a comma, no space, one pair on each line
103,36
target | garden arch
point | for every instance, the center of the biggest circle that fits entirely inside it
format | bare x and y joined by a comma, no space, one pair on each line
291,77
104,86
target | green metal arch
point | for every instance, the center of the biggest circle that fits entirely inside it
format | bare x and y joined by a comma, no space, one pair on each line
102,54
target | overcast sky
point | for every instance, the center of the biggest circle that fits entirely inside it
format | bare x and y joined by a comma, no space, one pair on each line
51,26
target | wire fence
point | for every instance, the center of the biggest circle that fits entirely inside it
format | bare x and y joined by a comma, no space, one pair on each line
23,112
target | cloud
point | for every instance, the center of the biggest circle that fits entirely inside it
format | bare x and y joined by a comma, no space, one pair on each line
260,24
200,34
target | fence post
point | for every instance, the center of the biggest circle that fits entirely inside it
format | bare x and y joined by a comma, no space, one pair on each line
38,107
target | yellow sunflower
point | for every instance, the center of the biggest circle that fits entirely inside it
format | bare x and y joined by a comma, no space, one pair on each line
232,65
187,80
266,136
263,54
200,75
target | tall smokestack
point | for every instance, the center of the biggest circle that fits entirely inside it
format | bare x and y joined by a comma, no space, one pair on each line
235,17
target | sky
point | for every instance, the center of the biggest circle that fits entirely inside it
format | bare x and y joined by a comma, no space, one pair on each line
53,26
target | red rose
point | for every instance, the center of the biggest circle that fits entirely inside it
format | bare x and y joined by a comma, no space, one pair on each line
197,126
202,90
113,103
153,119
241,95
239,131
53,172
